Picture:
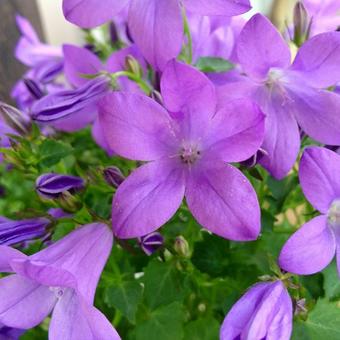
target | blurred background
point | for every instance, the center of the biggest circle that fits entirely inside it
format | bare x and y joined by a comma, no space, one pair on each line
48,19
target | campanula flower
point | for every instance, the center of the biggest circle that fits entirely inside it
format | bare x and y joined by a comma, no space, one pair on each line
156,26
320,181
265,311
61,279
53,185
291,95
186,146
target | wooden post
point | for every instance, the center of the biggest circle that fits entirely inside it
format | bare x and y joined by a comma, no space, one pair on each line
10,69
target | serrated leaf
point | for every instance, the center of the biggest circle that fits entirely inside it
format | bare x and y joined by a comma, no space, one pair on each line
163,323
125,296
214,65
202,329
162,284
52,151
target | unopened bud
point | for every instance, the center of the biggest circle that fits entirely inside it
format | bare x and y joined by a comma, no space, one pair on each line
151,243
33,88
132,65
113,176
15,118
156,96
301,24
181,246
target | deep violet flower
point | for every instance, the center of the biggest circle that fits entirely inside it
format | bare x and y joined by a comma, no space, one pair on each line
319,175
156,26
61,278
113,176
14,232
9,333
289,95
187,147
53,185
265,311
151,243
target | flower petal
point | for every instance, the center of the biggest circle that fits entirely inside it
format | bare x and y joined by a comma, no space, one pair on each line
83,253
135,126
317,112
147,199
261,47
24,303
282,138
91,13
7,254
223,201
79,61
298,254
217,7
237,131
318,60
319,177
156,27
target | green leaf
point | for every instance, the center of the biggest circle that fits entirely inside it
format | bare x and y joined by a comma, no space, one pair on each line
214,65
322,323
163,323
202,329
125,296
52,152
331,282
162,284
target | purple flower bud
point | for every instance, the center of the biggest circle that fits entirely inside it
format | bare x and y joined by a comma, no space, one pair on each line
151,243
301,23
113,176
15,118
264,310
13,232
58,213
253,160
33,88
64,103
54,185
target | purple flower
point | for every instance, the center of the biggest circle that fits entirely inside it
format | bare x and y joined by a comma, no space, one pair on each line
324,14
54,185
151,243
265,311
186,148
290,95
14,232
320,181
155,26
8,333
61,278
113,176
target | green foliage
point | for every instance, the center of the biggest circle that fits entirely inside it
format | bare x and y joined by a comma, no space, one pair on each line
214,65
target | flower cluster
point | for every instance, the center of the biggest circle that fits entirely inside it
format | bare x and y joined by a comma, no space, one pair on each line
199,117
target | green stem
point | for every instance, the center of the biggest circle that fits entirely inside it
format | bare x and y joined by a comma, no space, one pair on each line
188,34
143,84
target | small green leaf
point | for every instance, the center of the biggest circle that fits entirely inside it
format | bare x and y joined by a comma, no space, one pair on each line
202,329
162,284
331,283
125,296
51,152
163,323
214,65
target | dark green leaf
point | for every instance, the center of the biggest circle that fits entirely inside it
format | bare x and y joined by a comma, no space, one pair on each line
202,329
52,151
214,65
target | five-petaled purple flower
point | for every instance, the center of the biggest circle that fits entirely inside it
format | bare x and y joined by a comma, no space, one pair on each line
265,311
314,245
187,148
61,278
289,95
156,26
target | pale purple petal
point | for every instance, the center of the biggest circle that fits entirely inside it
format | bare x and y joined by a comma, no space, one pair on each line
319,177
26,29
237,131
318,60
91,13
7,254
83,253
79,61
223,201
217,7
298,255
156,27
317,112
136,127
261,47
74,319
99,138
24,303
147,199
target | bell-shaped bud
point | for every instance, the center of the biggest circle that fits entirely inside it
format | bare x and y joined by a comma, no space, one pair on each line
53,185
151,243
302,23
181,246
132,65
113,176
14,118
34,88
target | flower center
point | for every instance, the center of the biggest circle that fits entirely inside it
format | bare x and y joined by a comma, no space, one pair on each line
189,154
274,76
58,291
334,214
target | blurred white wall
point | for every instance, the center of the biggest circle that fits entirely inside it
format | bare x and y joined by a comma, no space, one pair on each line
57,29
